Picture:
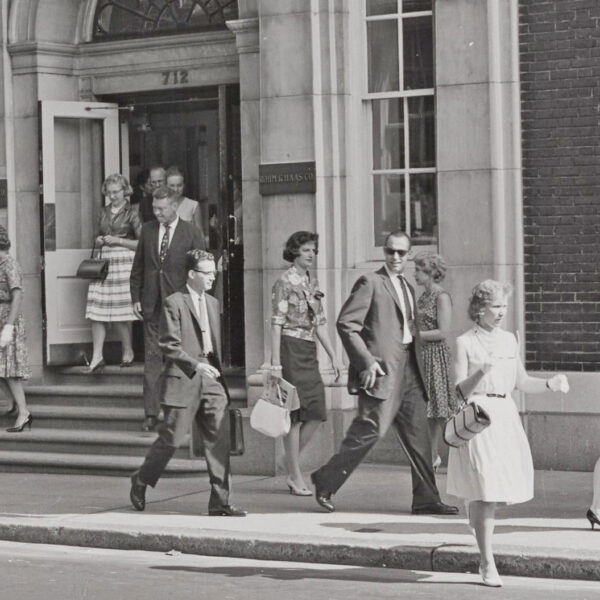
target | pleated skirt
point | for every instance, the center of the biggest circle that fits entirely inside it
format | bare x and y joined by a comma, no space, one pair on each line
110,300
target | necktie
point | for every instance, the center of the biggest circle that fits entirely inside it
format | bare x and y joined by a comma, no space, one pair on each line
164,243
407,305
204,326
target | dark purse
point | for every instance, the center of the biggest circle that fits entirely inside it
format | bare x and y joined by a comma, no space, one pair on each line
93,268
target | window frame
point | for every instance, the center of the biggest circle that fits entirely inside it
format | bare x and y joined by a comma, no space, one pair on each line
373,251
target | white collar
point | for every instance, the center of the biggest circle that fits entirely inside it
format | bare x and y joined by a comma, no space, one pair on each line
172,224
393,276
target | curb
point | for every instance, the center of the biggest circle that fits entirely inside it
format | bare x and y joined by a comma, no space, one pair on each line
463,559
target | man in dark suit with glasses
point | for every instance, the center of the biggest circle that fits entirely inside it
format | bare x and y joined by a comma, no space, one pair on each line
379,331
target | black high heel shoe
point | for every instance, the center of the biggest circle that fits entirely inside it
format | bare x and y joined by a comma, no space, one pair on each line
592,518
19,428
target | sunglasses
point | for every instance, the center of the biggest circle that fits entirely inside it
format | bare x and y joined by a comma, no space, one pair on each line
206,272
391,251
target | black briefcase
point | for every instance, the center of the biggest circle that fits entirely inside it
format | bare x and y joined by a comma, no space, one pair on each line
236,432
236,435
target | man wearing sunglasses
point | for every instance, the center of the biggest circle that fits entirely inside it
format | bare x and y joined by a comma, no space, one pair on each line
190,341
378,328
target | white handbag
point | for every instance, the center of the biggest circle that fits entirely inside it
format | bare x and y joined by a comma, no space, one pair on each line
271,419
470,420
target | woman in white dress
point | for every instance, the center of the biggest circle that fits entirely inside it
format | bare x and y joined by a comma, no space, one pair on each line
495,468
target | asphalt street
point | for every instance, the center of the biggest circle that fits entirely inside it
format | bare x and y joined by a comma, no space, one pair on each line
36,571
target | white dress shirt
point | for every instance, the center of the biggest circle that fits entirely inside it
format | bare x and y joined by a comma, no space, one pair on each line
199,301
407,337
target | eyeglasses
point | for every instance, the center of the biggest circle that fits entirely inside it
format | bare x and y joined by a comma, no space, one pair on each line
206,272
391,251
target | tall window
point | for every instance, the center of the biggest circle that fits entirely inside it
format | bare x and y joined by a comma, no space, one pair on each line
401,95
134,18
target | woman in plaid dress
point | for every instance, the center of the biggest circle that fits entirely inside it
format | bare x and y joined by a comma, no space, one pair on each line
109,301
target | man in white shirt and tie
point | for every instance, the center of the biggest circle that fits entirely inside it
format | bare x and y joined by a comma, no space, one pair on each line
190,341
159,270
379,331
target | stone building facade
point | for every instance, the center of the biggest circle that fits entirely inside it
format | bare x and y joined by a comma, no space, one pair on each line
412,113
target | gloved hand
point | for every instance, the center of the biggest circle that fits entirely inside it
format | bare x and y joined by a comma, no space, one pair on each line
558,383
6,335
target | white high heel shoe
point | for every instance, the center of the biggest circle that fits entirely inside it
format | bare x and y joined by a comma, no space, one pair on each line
297,491
490,576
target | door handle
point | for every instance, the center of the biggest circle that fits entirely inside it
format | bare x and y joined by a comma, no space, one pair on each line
233,218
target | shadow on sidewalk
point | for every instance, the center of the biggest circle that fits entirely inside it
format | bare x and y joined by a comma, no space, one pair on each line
359,575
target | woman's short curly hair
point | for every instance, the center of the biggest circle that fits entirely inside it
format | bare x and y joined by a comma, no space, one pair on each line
296,240
432,264
484,293
118,179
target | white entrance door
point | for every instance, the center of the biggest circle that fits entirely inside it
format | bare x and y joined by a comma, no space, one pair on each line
80,147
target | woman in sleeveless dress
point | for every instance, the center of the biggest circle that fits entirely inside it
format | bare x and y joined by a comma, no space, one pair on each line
495,467
435,319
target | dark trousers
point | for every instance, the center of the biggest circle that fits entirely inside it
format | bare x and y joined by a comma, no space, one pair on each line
406,409
153,363
209,409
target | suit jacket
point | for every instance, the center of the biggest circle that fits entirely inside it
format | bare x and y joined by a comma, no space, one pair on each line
180,341
370,325
150,281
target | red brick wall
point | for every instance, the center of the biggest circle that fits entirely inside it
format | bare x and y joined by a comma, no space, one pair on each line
560,107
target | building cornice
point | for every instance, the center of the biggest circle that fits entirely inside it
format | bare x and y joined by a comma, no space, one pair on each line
246,34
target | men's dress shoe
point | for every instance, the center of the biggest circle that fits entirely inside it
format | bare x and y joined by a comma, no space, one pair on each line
149,424
322,497
227,511
137,494
437,508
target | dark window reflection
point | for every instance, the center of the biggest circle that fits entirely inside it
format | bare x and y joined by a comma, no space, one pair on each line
388,134
381,7
423,209
382,39
418,53
421,128
389,194
416,5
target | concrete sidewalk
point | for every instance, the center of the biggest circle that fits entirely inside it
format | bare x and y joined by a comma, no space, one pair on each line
547,537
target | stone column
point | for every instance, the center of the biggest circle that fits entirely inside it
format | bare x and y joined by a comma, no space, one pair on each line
479,148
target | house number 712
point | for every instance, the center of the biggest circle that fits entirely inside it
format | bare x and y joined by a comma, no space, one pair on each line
175,77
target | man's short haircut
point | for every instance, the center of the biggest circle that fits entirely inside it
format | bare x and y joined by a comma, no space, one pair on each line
155,168
193,257
173,171
163,192
398,233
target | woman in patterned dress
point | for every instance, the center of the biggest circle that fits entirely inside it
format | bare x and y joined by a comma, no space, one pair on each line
109,301
298,321
435,318
14,367
495,467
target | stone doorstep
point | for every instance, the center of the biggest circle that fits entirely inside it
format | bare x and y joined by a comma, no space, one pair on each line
511,560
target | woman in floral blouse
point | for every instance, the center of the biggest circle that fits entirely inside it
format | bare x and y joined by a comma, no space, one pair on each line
298,321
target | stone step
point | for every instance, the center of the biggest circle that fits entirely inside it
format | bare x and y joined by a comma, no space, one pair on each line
101,418
103,394
90,464
82,441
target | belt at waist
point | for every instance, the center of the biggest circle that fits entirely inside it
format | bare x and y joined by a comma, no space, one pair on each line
489,395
